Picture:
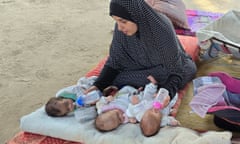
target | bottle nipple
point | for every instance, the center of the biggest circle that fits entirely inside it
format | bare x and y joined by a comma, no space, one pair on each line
157,105
79,101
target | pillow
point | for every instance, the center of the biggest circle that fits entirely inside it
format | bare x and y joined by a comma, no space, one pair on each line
190,45
173,9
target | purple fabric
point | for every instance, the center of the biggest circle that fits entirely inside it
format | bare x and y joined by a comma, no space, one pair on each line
206,97
232,84
217,108
198,19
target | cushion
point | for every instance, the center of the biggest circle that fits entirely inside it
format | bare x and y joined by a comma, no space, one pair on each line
190,44
173,9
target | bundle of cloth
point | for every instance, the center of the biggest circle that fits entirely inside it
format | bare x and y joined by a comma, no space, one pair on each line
218,94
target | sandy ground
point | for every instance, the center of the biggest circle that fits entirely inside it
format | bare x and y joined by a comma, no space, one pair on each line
46,45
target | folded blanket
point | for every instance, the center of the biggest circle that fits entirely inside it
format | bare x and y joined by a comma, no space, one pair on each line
68,128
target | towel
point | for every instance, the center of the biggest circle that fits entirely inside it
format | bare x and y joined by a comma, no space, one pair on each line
206,97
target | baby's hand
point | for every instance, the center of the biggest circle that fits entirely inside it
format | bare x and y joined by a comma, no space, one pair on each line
173,122
109,98
132,120
92,88
134,99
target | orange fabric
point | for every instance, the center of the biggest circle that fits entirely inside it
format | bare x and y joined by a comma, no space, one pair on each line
190,44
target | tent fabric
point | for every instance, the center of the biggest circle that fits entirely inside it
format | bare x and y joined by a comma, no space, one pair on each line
221,36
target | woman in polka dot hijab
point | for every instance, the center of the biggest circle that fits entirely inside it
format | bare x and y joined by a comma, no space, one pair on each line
144,43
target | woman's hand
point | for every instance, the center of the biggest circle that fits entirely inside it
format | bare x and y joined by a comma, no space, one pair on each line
166,101
92,88
110,90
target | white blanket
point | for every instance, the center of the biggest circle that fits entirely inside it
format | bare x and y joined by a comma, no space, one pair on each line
69,129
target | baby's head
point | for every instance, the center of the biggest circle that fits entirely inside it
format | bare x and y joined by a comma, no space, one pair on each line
58,106
109,120
150,122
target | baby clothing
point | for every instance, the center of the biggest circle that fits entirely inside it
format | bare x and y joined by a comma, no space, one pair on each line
145,102
120,101
78,89
85,114
82,114
86,82
137,111
149,91
68,95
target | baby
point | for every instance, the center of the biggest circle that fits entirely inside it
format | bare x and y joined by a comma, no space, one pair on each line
111,109
65,101
125,106
151,110
61,105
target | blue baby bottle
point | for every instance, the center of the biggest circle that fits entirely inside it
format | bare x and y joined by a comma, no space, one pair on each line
88,99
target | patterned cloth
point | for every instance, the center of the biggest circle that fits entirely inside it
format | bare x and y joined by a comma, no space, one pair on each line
30,138
204,80
208,91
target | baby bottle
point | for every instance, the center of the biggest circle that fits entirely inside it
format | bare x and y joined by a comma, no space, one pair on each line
88,99
162,94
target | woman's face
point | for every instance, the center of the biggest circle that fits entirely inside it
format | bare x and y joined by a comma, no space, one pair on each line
127,27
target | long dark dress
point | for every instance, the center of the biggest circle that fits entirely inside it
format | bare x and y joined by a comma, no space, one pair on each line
153,50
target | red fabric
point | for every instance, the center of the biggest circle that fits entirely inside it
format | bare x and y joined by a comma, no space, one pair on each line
30,138
181,94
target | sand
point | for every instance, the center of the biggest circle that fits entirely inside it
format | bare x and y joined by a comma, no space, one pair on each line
46,45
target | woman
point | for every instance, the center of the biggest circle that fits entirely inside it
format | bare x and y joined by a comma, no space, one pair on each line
144,43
